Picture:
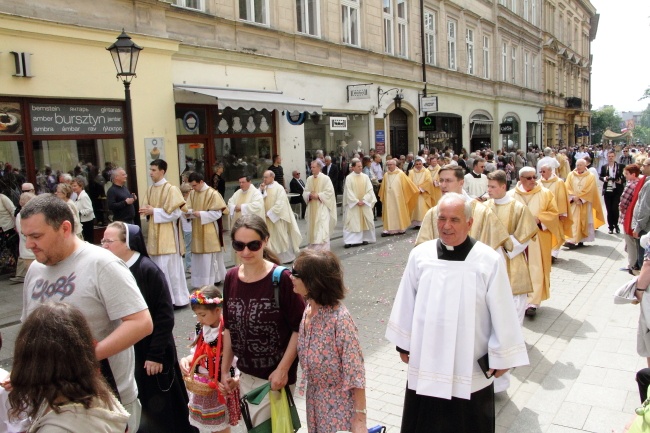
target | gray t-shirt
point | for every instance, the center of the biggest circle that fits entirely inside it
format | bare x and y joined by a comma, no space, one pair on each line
102,287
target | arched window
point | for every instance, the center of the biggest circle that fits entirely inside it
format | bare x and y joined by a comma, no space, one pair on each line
511,142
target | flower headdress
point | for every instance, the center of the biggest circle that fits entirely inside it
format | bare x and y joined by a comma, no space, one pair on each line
199,298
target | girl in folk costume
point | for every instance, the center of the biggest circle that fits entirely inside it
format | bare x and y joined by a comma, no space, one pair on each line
219,410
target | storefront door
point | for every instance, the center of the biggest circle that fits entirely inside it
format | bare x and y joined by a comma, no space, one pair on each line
399,135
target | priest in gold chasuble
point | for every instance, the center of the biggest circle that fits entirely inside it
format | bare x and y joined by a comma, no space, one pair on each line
398,196
585,210
421,177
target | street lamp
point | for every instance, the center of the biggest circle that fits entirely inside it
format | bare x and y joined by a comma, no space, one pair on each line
125,55
540,117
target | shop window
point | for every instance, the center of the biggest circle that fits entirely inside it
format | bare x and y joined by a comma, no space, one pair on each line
531,133
12,168
511,142
338,144
230,121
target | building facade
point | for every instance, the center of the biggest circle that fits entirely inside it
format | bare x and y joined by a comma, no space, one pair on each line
237,81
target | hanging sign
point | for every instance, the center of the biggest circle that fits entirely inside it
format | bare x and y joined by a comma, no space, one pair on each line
427,123
338,123
429,104
506,128
358,92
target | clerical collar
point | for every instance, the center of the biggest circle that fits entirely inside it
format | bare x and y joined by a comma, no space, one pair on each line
457,253
271,185
503,200
474,175
205,186
160,182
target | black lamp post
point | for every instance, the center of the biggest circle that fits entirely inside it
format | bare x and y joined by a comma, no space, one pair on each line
125,54
540,117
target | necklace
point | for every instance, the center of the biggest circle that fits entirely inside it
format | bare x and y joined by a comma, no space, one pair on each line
390,180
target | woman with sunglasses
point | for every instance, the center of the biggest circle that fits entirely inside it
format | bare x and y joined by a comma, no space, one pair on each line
262,335
328,347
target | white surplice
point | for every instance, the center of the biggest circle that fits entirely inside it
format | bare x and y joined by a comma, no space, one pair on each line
448,314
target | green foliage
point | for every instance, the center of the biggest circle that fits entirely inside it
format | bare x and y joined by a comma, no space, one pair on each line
602,119
642,133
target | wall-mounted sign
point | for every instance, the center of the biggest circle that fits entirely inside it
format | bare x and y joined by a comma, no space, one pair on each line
10,118
63,119
191,121
429,104
427,123
358,92
338,123
380,142
506,128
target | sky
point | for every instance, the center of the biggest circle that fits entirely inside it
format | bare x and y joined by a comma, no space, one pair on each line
621,65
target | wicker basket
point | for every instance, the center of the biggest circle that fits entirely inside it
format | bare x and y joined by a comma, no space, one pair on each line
197,388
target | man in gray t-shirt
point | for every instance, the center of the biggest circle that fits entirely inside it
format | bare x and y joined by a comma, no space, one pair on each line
92,279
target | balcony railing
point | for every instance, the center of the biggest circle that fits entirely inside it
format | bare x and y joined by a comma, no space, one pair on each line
574,102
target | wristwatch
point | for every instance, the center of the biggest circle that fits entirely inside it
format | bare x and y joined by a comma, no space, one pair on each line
363,411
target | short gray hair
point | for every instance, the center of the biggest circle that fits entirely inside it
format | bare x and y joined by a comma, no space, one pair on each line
527,170
452,197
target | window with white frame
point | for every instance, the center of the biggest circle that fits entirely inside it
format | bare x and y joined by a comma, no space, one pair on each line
350,21
395,27
513,65
526,70
198,5
308,16
451,44
402,28
486,57
533,76
469,43
256,11
533,12
504,62
430,39
513,5
502,2
526,10
388,26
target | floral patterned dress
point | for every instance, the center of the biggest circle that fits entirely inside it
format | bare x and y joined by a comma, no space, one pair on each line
332,363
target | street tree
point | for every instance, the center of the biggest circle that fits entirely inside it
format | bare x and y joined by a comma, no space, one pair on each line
602,119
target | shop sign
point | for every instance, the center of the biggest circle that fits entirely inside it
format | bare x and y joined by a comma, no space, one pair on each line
380,142
358,92
429,104
506,128
191,121
427,123
338,123
77,119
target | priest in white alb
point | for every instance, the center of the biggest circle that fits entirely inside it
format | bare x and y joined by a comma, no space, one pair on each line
205,207
163,206
358,201
245,201
453,307
284,234
321,208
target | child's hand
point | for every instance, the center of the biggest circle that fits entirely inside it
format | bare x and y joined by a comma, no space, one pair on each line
184,363
227,386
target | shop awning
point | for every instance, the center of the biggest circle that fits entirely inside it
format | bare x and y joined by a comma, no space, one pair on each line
481,121
252,99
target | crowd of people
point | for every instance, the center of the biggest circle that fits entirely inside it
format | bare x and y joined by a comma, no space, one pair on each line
490,225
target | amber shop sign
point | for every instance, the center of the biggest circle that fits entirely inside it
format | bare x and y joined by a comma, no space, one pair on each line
74,119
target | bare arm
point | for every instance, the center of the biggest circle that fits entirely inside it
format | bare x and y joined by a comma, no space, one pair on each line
133,328
359,419
226,360
280,377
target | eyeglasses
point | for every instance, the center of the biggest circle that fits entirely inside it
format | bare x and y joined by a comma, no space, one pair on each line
28,190
295,273
107,241
252,245
529,177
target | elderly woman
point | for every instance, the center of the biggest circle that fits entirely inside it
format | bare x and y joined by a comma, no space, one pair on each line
84,206
328,347
64,192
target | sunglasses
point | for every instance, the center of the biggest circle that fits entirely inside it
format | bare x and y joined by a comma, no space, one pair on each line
295,273
252,245
529,177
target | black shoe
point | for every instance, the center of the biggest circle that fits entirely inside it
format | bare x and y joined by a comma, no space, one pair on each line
385,235
347,245
364,243
580,244
415,228
611,232
531,311
618,230
553,259
218,283
570,246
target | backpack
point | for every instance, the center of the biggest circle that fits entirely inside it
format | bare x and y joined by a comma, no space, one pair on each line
277,274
